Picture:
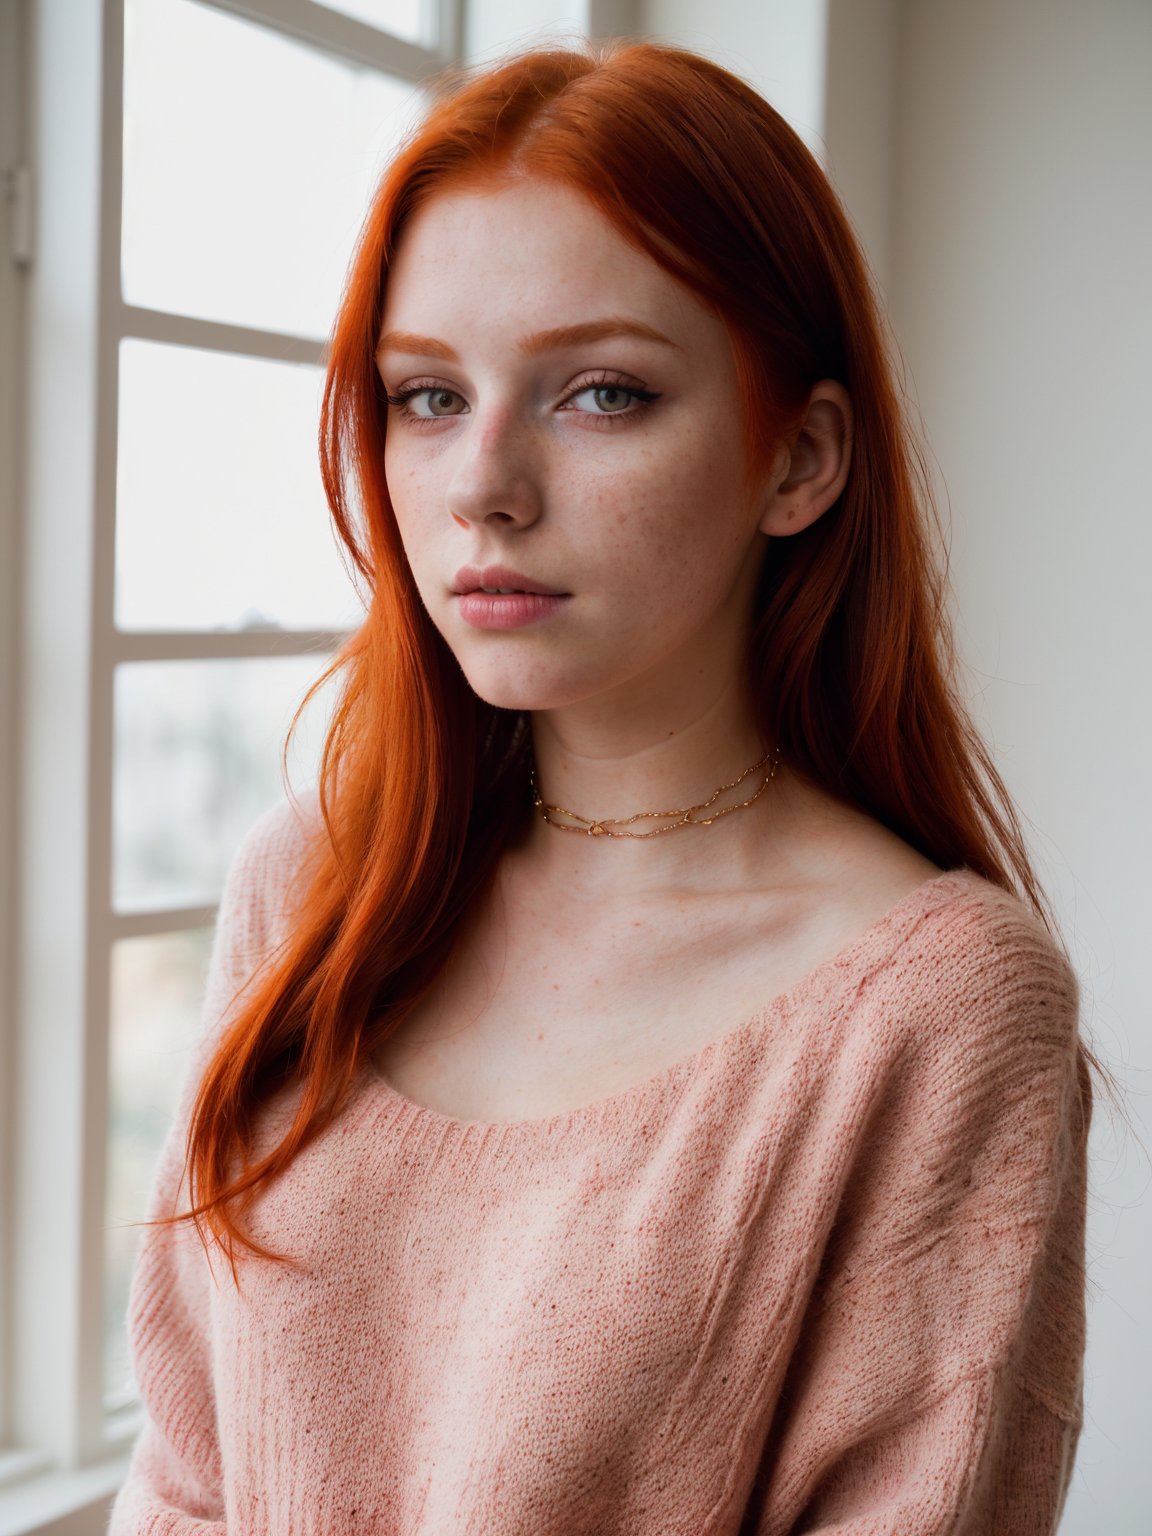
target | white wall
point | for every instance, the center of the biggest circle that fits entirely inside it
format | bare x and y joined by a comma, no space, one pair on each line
994,158
859,126
1021,252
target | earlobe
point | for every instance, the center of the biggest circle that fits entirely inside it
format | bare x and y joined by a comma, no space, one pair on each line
815,465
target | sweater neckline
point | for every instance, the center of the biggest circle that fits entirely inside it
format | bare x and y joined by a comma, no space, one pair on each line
379,1090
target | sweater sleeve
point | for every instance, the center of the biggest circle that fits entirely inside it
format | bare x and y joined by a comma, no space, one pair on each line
936,1388
174,1483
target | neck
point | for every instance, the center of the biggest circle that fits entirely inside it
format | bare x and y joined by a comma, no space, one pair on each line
658,769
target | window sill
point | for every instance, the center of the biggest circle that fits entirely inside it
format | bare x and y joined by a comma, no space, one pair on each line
55,1503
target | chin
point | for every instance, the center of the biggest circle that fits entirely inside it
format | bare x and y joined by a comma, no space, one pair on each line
512,696
509,691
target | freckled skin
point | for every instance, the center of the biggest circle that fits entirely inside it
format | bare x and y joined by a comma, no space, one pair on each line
645,519
561,993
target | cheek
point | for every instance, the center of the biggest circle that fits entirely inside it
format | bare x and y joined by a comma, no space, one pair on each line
412,491
682,503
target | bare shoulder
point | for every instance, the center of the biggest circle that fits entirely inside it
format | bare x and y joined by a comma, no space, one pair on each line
853,867
980,961
973,969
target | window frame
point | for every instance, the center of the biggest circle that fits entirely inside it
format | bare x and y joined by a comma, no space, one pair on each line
63,1452
14,254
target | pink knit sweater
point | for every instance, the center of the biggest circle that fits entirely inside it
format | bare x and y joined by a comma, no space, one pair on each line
826,1274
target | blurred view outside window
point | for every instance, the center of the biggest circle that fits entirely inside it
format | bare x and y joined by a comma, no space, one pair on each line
156,988
220,514
249,163
197,760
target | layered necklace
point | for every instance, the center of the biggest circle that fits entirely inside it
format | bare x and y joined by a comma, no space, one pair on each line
687,816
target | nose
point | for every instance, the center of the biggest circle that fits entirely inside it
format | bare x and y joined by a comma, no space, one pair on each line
495,476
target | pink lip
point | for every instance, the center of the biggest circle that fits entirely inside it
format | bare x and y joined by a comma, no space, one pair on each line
485,610
470,577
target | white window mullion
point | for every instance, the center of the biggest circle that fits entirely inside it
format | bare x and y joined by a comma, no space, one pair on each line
141,925
216,335
93,1440
60,1082
15,205
347,38
232,644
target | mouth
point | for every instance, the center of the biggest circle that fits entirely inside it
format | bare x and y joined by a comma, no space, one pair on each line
501,581
508,610
510,592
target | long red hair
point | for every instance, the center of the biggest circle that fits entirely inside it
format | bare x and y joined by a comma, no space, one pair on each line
850,658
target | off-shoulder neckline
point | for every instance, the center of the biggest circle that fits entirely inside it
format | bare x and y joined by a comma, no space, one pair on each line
377,1090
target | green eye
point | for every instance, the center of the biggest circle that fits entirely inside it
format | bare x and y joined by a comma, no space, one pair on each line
614,399
611,395
609,400
437,397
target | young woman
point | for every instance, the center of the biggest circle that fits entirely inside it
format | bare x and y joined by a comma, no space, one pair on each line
643,1077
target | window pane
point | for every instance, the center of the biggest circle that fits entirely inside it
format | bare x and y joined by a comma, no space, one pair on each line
221,520
197,760
249,161
157,995
402,17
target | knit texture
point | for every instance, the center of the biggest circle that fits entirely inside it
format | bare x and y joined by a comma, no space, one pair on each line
826,1274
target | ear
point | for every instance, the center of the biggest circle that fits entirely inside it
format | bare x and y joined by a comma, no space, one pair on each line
811,467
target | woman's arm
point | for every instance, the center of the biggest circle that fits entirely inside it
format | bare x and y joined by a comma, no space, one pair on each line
937,1386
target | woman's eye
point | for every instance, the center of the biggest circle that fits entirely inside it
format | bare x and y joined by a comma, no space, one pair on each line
439,402
610,398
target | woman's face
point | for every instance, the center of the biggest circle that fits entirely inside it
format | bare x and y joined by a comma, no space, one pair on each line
572,415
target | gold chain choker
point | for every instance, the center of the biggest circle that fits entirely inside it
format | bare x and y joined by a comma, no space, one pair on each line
687,816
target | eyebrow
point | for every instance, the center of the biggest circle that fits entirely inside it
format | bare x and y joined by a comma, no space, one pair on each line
531,346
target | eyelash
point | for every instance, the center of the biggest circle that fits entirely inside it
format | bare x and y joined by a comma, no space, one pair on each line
647,396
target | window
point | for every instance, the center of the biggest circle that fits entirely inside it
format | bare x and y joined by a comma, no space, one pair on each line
201,168
248,160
